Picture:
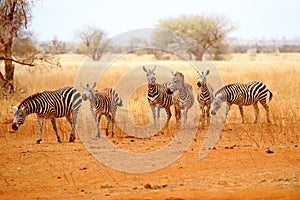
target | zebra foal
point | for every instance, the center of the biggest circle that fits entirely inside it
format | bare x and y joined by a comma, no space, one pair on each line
185,94
243,95
205,95
158,96
64,102
104,102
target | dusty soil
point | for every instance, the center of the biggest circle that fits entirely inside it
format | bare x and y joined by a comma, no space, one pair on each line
236,169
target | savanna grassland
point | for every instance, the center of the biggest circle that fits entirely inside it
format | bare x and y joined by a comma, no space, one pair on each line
237,168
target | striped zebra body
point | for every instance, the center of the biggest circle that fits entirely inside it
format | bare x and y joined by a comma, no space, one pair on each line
185,95
104,102
64,102
243,95
158,96
205,96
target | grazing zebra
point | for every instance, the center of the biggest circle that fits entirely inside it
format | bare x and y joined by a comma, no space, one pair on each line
64,102
205,96
159,95
243,95
185,95
104,102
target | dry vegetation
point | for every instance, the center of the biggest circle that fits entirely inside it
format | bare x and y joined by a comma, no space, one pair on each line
280,73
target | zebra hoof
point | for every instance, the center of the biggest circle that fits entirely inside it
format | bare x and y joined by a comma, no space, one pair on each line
72,139
38,141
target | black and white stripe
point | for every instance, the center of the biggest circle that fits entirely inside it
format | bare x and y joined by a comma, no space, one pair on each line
205,95
160,95
104,102
243,95
64,102
185,94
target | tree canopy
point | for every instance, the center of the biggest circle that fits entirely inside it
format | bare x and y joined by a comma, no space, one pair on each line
204,33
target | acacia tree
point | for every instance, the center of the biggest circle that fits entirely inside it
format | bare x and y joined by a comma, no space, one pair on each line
14,17
204,32
92,40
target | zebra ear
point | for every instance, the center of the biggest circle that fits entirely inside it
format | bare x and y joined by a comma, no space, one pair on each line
14,107
172,73
94,85
154,68
144,68
207,72
81,85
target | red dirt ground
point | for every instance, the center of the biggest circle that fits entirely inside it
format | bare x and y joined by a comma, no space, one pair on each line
67,171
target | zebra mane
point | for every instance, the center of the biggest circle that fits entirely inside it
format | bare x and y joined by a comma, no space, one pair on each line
25,101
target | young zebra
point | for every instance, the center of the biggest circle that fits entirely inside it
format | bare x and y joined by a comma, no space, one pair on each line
64,102
243,95
185,95
205,96
104,102
158,95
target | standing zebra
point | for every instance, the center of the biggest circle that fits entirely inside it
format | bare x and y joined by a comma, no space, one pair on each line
159,95
185,95
64,102
205,96
243,95
105,103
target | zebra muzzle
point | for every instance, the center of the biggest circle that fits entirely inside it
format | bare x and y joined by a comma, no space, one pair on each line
14,127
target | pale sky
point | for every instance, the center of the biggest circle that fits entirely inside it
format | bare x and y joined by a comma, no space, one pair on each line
257,19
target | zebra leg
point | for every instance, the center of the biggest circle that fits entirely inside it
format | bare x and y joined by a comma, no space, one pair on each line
40,121
153,108
53,121
228,106
158,114
108,117
241,111
265,105
169,114
208,114
97,120
72,119
256,111
184,118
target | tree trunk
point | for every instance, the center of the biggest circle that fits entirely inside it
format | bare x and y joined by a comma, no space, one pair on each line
197,52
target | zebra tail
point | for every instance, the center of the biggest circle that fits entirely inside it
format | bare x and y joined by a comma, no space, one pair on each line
271,95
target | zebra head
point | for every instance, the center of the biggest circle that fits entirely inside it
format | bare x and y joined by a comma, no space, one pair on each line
150,75
87,91
216,104
202,78
177,81
19,117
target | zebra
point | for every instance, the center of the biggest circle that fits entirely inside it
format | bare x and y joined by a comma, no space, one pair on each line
243,95
185,95
104,102
205,95
158,95
64,102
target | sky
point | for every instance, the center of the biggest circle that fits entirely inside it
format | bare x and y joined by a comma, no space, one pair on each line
255,19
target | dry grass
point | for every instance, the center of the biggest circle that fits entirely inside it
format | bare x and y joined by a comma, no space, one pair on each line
279,72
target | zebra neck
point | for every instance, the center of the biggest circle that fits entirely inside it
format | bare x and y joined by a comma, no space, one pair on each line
222,96
182,92
93,100
30,105
152,88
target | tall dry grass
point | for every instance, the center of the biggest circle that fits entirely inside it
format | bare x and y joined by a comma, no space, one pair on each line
279,72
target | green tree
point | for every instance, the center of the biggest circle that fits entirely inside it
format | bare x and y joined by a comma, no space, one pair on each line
92,41
198,34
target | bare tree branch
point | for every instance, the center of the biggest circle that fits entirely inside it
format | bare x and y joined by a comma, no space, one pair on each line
17,61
